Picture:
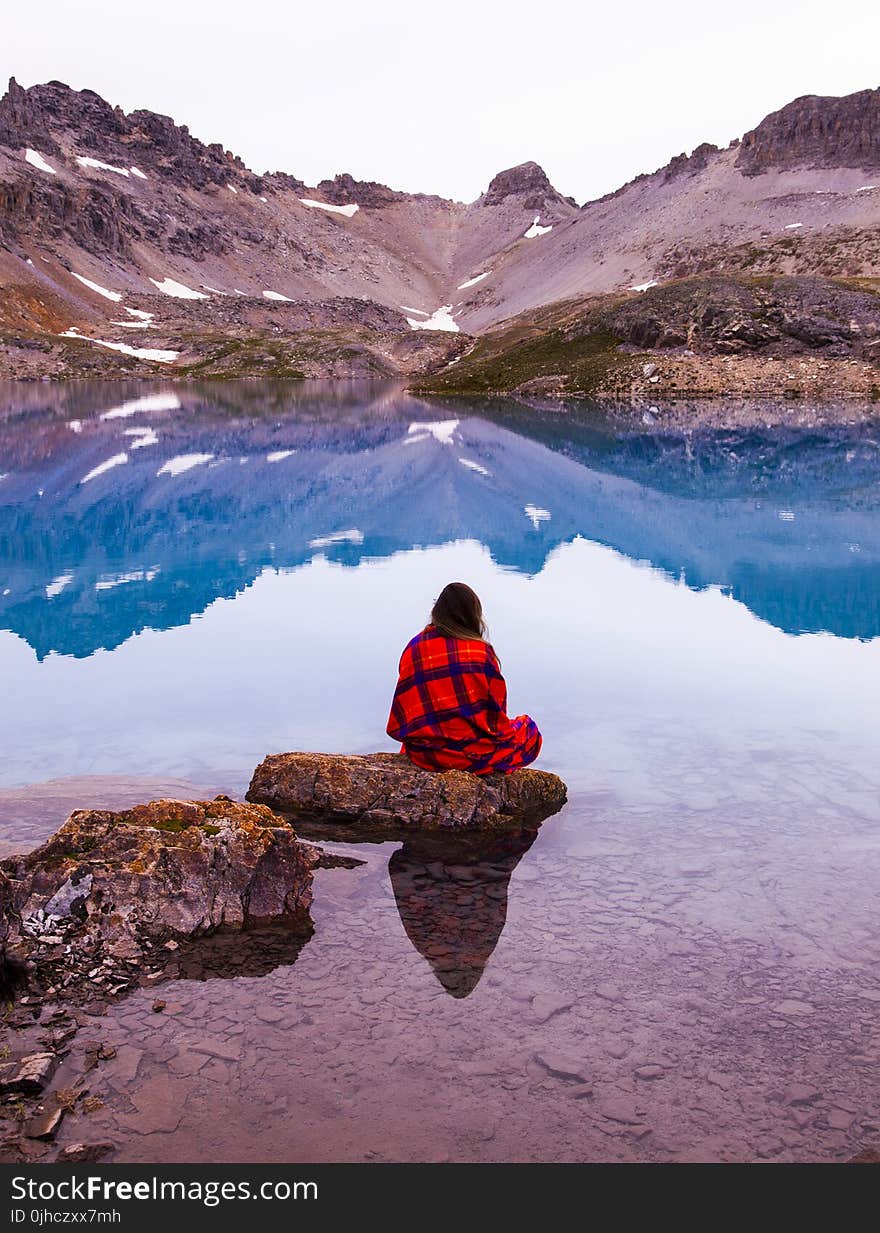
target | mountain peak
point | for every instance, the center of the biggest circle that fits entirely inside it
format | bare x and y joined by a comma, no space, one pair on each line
21,117
525,177
528,180
816,131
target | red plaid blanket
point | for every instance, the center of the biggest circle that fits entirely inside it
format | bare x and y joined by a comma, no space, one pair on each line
450,708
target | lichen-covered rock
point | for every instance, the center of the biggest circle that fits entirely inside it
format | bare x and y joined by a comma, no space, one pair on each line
387,790
168,869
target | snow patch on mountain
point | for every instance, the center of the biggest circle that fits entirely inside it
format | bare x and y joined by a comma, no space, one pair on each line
536,229
474,466
35,158
279,455
57,585
139,353
97,165
347,210
276,295
108,295
441,319
644,286
179,291
472,282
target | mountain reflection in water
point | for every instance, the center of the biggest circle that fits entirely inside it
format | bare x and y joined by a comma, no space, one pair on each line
129,510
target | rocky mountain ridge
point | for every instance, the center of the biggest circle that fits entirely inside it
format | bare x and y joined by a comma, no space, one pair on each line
816,132
126,243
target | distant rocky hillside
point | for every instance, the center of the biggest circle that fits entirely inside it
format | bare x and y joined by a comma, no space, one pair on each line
127,244
795,336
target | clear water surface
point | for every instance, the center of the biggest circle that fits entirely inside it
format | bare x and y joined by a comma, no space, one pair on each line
682,965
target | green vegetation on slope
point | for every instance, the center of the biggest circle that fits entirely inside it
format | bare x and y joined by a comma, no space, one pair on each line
598,346
565,345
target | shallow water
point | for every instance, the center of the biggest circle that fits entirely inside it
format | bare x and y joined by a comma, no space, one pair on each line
693,620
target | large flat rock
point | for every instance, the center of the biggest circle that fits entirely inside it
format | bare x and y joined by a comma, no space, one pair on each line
386,790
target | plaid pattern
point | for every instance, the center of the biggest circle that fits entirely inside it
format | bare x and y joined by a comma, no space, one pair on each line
450,708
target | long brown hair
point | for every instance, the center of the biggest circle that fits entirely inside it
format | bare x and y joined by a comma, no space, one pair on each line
458,612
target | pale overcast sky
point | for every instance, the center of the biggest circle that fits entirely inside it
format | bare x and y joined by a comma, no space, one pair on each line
438,97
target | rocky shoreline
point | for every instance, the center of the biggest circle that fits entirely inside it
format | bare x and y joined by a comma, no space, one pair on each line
792,386
121,901
793,340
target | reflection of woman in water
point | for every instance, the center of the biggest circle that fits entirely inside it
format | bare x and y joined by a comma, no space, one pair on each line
451,893
450,705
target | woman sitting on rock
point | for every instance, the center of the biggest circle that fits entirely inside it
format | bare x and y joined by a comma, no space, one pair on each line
450,704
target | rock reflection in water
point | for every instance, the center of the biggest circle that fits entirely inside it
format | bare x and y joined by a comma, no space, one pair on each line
451,894
251,952
228,954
